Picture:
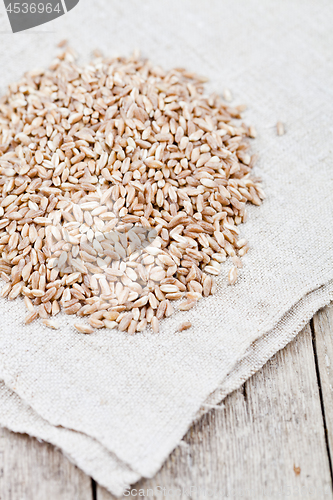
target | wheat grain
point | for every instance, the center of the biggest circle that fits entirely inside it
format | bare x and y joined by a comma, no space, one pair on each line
50,324
155,324
185,326
121,195
186,305
227,95
110,324
31,317
232,275
82,328
280,128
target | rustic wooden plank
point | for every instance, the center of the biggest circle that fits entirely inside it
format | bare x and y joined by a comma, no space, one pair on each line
323,343
267,441
30,470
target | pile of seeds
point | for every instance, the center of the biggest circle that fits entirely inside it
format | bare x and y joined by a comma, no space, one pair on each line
122,187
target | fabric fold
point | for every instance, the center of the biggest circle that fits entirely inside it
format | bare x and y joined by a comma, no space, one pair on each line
95,460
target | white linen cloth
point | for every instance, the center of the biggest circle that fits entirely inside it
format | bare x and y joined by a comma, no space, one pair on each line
117,405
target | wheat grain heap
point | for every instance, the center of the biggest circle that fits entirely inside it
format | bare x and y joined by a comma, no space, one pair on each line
98,159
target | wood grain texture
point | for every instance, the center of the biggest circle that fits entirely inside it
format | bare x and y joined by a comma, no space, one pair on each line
30,470
323,343
266,441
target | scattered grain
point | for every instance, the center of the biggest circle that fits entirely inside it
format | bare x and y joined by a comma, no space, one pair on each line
185,326
280,128
122,189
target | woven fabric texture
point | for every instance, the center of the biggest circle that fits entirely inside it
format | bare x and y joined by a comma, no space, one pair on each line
117,405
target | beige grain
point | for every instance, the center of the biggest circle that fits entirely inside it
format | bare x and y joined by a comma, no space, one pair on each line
185,326
186,305
87,186
50,324
232,275
31,317
82,328
155,324
280,128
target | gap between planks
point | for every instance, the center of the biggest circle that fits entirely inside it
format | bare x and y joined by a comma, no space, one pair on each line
322,331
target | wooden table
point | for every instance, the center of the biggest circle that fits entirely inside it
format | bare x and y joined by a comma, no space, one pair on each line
270,439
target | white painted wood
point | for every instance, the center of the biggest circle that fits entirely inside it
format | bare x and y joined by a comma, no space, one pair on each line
30,470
